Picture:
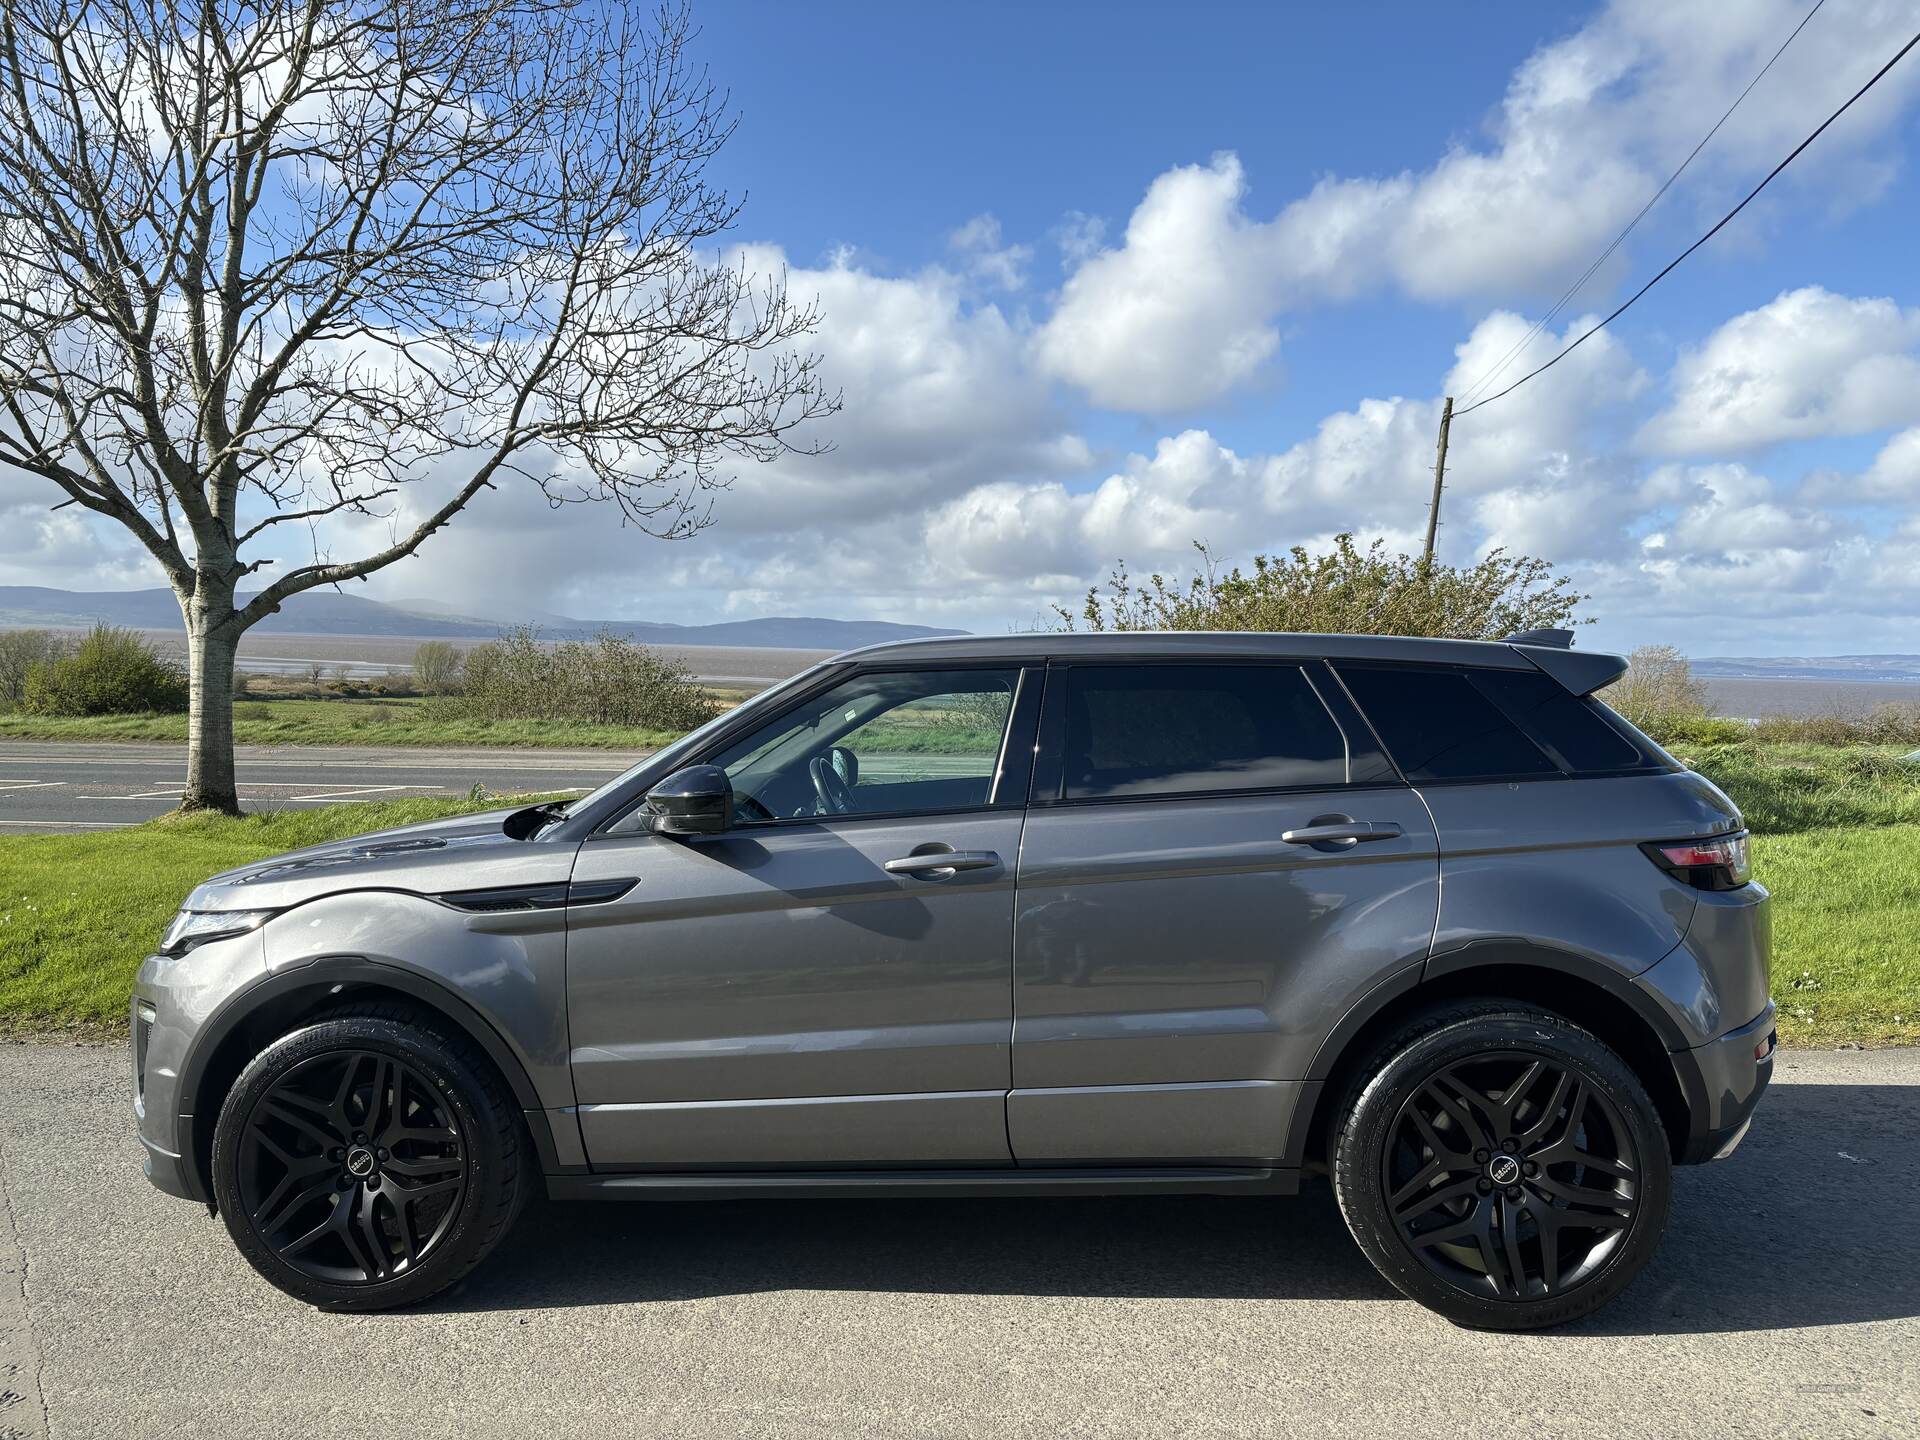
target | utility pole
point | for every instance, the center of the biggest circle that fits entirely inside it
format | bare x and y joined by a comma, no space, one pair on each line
1439,479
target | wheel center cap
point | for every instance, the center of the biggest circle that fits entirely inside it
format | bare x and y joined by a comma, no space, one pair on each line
1503,1170
360,1162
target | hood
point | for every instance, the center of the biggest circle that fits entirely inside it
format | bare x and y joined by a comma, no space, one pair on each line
467,852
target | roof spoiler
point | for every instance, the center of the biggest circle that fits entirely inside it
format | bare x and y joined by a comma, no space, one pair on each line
1582,672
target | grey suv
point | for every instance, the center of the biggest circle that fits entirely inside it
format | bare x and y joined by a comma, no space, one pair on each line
1030,915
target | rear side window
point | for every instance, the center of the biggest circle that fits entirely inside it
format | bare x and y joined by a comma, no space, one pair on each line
1438,725
1577,730
1480,724
1141,730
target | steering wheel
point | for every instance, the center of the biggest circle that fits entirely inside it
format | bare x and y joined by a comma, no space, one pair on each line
836,795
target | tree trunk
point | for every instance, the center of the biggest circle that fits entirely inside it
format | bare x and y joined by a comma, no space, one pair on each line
211,644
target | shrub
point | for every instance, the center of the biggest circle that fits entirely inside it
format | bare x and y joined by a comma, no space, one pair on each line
436,668
20,651
253,710
111,672
1347,590
1697,729
1894,724
606,681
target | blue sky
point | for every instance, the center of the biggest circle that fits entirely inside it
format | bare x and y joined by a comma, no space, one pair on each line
1101,280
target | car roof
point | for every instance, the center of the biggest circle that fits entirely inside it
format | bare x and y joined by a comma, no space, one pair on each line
1171,644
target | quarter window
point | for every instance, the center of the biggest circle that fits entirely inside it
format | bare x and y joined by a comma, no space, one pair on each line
1438,725
1141,730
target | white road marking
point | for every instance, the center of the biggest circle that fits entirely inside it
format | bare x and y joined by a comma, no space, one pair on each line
28,784
143,795
357,791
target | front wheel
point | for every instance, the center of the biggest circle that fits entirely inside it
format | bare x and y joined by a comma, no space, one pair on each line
368,1160
1504,1167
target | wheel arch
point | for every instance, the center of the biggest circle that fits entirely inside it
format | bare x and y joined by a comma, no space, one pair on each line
1588,992
281,1003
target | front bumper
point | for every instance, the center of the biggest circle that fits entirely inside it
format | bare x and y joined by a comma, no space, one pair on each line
1728,1076
172,1000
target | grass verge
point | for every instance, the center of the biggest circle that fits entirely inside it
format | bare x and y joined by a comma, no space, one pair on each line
1846,934
78,913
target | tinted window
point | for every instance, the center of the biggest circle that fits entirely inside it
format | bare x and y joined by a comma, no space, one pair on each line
1439,726
1179,729
1576,727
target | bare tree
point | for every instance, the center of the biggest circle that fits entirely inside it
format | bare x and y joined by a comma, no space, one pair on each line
1658,687
267,263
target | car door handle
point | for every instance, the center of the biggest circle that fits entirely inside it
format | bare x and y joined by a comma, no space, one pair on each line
938,864
1346,832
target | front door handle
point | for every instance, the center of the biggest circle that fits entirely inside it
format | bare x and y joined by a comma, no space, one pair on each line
1343,832
938,864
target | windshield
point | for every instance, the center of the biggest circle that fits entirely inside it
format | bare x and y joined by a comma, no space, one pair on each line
693,739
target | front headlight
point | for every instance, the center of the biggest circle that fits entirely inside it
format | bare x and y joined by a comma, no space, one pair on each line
197,927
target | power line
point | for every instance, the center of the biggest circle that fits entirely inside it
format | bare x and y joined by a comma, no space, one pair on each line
1545,320
1721,224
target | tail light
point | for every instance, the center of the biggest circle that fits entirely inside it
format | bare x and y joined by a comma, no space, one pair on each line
1719,863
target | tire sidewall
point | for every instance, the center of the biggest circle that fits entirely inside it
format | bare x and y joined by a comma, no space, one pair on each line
1363,1199
466,1095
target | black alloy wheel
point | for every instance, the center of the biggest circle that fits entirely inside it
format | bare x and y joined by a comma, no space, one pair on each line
1511,1176
1502,1165
369,1159
352,1167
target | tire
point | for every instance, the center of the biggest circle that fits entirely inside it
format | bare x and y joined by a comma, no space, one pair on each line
1451,1213
369,1159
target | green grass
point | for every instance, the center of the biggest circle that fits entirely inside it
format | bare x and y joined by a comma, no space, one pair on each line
79,912
343,722
1789,789
1846,934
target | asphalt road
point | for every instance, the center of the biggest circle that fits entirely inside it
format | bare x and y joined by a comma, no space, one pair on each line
56,786
1785,1301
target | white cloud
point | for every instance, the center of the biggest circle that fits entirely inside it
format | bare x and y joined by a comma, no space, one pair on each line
979,247
1895,472
1808,363
1186,307
1177,314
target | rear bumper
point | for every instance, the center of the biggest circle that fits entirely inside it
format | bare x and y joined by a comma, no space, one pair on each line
1726,1079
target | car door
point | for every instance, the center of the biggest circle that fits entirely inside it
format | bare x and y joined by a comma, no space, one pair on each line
1214,868
829,982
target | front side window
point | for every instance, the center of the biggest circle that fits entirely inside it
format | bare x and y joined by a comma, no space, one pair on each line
1142,730
878,744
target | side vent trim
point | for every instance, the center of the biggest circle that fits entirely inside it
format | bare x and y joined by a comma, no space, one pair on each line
498,899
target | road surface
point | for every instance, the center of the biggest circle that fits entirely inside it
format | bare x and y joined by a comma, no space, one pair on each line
1785,1301
51,786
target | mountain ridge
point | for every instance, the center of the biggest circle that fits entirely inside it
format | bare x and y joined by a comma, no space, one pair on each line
333,614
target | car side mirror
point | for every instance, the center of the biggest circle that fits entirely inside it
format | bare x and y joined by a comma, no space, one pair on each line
695,801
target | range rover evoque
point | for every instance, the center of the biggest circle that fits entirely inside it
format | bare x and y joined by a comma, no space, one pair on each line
1037,914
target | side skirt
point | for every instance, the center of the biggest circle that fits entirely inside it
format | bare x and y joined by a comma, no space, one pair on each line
898,1184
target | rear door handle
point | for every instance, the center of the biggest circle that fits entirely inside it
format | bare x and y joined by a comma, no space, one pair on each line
1345,832
938,864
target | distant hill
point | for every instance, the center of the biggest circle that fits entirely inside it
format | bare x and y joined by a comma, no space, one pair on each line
326,613
1809,667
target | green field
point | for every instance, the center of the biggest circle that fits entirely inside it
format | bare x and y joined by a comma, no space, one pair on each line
1837,839
404,721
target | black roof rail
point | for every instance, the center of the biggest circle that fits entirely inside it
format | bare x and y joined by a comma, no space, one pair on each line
1558,639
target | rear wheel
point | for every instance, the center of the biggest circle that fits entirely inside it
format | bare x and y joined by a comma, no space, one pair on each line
1504,1167
368,1160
